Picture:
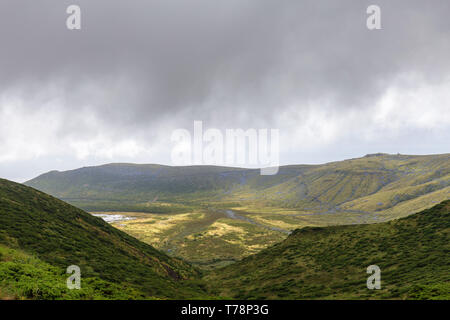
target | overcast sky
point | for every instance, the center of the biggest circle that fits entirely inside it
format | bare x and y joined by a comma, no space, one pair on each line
115,90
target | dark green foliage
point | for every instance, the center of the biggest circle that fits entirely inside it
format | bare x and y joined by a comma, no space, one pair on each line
63,235
25,277
430,292
331,262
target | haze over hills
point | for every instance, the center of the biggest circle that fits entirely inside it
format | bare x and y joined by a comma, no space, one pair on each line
378,183
41,236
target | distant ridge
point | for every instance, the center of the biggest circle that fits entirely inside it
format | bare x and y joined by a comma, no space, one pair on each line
382,183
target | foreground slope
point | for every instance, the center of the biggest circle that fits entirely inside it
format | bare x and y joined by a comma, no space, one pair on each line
413,254
61,235
24,276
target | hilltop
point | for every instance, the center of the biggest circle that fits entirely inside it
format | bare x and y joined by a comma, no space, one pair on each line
142,187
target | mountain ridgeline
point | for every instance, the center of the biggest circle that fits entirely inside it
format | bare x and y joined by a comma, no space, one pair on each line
391,185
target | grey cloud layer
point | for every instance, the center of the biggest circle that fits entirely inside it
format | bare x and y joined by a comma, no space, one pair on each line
139,64
158,58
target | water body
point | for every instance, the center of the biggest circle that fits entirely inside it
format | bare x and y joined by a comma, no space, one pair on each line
232,215
110,218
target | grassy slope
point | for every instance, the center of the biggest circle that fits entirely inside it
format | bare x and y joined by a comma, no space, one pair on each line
153,188
331,262
135,183
352,184
24,276
62,235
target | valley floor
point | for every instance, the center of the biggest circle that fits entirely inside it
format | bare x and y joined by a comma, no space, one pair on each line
205,238
211,238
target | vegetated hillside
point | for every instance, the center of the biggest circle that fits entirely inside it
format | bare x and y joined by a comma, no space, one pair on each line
375,183
330,262
40,236
60,235
24,276
344,184
134,187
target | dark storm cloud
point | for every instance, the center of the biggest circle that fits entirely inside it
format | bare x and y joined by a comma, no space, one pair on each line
137,62
116,89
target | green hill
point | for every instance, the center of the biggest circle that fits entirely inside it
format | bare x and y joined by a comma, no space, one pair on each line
142,187
43,236
330,262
